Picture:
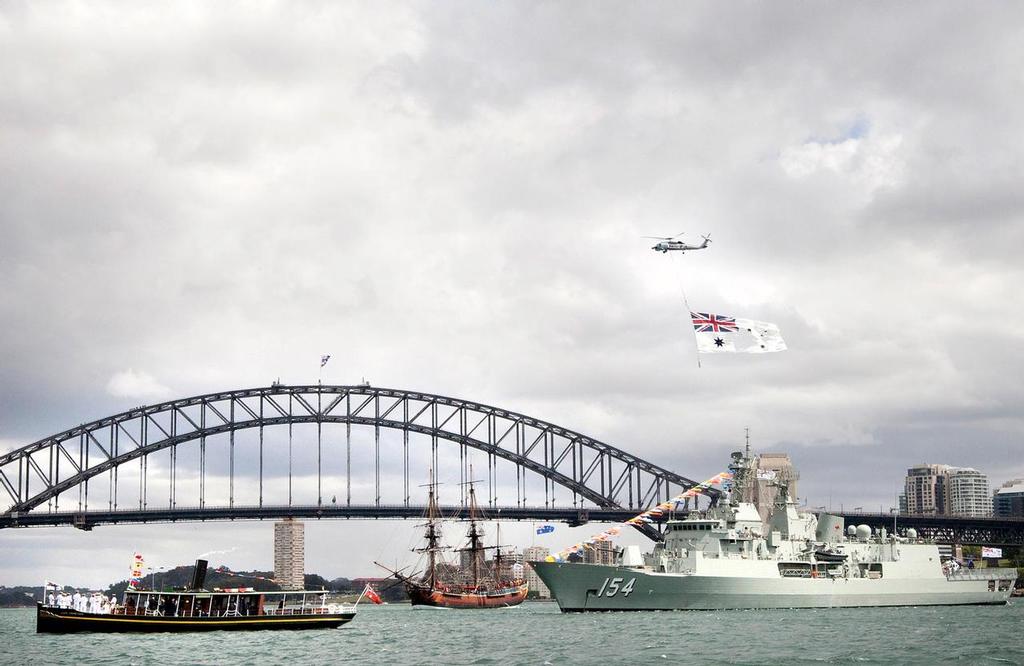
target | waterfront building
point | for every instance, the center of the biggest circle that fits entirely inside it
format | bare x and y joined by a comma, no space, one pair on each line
926,489
943,490
969,493
772,468
537,586
603,552
289,554
1008,500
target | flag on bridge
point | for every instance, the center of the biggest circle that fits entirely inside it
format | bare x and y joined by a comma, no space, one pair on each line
324,359
545,529
717,333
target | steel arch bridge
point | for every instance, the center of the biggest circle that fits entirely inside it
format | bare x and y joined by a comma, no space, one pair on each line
601,478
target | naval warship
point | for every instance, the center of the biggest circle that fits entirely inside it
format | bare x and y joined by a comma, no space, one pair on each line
728,558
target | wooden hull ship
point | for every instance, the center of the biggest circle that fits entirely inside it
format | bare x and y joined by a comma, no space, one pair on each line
447,598
480,584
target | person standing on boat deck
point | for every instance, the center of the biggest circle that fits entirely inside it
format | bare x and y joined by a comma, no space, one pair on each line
63,600
76,600
52,600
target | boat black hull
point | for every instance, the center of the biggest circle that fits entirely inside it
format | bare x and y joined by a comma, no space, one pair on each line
65,621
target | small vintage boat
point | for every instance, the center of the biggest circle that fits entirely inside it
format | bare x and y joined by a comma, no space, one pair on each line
196,609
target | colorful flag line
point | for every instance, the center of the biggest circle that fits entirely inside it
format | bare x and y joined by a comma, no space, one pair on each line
645,517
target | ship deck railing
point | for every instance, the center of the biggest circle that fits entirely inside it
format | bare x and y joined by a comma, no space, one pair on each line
986,573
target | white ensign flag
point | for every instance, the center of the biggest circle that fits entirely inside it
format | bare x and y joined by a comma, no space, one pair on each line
717,334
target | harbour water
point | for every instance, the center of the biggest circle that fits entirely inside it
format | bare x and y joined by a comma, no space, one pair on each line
536,633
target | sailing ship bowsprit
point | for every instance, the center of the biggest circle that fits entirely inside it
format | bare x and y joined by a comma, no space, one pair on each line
478,583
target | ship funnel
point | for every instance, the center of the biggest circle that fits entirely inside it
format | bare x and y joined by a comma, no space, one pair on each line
199,575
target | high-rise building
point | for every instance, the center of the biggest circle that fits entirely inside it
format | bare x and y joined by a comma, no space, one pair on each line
926,489
773,469
1008,500
942,490
969,493
603,552
289,554
536,554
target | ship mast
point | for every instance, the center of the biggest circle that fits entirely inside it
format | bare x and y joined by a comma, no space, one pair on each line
433,533
744,473
475,536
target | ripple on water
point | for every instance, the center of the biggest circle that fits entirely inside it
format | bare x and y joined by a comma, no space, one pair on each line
538,634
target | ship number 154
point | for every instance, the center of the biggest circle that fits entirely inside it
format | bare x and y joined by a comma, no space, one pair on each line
613,586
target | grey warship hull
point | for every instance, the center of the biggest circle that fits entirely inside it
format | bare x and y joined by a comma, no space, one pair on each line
589,587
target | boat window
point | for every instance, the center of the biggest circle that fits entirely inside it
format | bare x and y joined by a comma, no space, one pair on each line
872,570
795,569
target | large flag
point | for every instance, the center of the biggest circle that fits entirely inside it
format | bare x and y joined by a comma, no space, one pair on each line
717,333
545,529
324,359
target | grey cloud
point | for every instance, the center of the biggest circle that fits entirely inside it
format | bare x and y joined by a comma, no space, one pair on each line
451,199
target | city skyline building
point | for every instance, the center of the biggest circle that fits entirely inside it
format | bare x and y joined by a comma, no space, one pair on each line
602,552
944,490
772,469
925,487
289,554
1008,500
969,492
535,554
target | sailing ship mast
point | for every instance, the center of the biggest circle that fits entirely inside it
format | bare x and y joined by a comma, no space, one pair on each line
433,533
475,536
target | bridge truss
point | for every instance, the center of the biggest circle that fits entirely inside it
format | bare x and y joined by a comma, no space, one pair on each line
987,531
53,472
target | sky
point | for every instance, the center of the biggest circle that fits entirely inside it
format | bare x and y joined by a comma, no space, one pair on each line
452,197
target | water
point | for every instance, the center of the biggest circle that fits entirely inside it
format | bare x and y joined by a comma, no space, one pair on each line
536,633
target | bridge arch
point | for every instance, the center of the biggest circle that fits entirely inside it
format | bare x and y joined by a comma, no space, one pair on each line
592,470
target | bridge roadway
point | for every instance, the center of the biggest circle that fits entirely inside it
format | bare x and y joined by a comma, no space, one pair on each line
94,518
941,529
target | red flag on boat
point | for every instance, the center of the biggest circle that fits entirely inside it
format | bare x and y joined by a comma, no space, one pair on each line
372,595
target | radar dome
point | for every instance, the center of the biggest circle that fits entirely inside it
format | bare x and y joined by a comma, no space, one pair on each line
851,531
863,532
911,533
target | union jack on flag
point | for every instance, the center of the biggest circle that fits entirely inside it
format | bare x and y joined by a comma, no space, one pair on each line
711,323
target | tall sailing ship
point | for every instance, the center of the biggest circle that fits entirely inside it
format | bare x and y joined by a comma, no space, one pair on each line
477,584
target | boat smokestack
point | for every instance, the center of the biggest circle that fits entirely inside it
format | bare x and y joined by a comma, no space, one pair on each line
199,575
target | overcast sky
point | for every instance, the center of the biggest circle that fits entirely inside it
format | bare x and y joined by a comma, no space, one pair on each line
450,197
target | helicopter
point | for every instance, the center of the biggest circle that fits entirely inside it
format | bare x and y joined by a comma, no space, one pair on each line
669,243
